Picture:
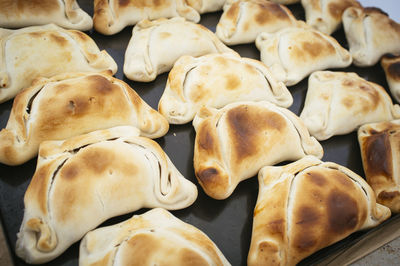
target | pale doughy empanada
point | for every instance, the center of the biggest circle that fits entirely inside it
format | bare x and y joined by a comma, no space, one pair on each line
23,13
338,103
111,16
391,66
326,15
294,53
243,20
370,34
205,6
83,181
216,80
307,205
45,51
156,45
380,153
233,143
165,239
71,104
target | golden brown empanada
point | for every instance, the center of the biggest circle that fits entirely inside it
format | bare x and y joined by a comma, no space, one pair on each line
156,45
45,51
111,16
294,53
326,16
71,104
23,13
380,153
285,2
338,103
233,143
370,34
153,238
307,205
391,66
216,80
243,20
205,6
83,181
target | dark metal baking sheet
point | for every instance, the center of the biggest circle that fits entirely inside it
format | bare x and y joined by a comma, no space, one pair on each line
228,222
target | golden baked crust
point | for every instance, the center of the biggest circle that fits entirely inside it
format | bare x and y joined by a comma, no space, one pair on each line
153,238
70,104
380,153
45,51
243,20
391,65
111,16
338,103
82,181
23,13
308,205
216,80
233,143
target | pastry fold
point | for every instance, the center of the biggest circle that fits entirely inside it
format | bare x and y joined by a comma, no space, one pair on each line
294,53
391,65
111,16
216,80
83,181
370,34
337,103
71,104
156,45
45,51
243,20
380,153
233,143
23,13
153,238
206,6
307,205
326,16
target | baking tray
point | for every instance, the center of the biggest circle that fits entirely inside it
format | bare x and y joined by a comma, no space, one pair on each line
228,222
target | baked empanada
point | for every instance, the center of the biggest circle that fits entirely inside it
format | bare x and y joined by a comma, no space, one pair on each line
233,143
294,53
326,16
216,80
23,13
45,51
243,20
338,103
307,205
156,45
111,16
205,6
285,2
380,153
391,65
71,104
83,181
153,238
370,34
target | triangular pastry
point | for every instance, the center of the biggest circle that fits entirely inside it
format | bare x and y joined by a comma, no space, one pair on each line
233,143
72,104
216,80
83,181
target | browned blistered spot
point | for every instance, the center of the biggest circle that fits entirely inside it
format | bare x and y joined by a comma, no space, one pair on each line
81,35
307,216
61,41
190,257
38,186
70,171
165,35
348,102
378,156
317,178
247,124
220,61
314,49
205,139
124,3
342,212
342,178
208,175
101,85
37,7
233,11
140,247
270,12
348,83
276,226
37,34
393,71
233,82
388,195
337,8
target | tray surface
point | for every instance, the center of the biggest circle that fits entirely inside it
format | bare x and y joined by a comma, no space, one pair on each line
228,222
